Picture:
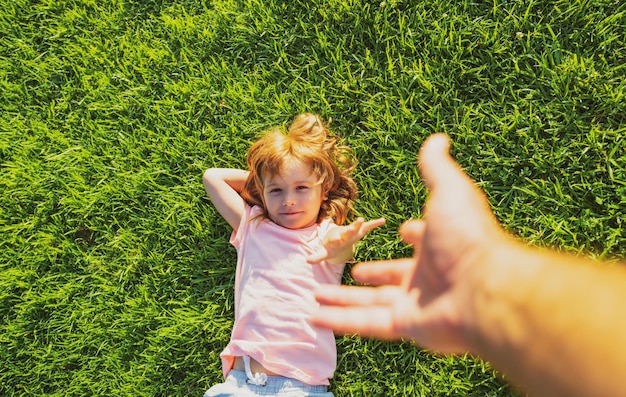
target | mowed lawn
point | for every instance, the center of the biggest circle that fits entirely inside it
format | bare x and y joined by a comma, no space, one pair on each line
116,274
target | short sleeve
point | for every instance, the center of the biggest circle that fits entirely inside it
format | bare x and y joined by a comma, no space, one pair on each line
244,224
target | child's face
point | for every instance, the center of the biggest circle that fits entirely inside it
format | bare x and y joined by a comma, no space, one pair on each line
293,200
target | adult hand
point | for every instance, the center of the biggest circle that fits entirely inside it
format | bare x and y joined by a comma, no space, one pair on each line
425,298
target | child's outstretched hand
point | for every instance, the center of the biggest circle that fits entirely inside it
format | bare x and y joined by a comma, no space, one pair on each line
338,245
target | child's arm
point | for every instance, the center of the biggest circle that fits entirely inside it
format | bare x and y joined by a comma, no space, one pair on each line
338,244
223,186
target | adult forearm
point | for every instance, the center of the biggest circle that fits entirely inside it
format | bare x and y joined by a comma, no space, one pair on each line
551,322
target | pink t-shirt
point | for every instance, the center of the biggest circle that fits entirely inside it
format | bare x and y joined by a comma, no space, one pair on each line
274,300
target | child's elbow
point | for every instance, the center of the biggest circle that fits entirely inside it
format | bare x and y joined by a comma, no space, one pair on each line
209,176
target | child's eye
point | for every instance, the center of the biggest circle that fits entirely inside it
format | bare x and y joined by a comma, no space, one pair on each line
275,190
302,187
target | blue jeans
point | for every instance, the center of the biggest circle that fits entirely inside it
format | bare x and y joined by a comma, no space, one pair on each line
236,384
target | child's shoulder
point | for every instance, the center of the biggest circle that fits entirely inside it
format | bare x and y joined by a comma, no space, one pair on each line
253,214
326,224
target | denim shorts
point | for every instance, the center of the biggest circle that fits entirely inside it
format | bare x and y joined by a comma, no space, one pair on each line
236,384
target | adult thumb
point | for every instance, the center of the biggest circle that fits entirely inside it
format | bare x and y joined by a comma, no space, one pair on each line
438,169
453,191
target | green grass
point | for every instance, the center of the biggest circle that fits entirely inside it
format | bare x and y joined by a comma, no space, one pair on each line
115,270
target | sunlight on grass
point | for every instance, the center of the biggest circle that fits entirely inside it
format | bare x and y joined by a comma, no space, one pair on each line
116,273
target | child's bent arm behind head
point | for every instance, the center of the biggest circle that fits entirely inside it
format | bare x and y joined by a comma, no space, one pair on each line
223,186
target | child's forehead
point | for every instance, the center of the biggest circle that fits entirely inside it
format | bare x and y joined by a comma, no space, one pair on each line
291,165
291,168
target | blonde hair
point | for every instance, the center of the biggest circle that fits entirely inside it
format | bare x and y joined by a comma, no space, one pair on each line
309,141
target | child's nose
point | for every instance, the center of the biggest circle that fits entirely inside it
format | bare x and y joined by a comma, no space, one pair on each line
289,200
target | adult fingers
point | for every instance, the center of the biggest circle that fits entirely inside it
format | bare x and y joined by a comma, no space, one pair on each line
374,322
344,295
383,272
412,232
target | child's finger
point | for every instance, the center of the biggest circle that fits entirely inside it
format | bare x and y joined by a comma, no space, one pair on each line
373,224
356,225
350,231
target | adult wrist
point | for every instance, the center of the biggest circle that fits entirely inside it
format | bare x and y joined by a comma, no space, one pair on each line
490,323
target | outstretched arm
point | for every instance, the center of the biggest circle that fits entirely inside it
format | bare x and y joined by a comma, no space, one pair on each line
223,186
338,244
553,323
